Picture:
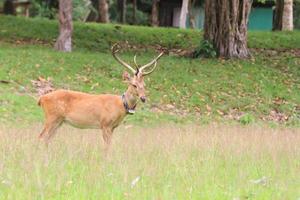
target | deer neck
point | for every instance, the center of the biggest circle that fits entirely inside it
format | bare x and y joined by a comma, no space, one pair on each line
130,99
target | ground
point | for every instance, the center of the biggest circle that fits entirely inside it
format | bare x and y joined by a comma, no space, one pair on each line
262,89
165,162
211,128
181,90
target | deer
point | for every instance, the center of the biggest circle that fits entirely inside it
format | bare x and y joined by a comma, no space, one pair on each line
98,111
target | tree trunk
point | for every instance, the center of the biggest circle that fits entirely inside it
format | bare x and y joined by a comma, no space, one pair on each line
191,14
123,12
64,40
154,13
183,13
134,6
8,8
93,16
283,17
287,18
225,26
103,11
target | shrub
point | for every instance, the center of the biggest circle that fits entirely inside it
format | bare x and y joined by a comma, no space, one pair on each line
247,119
205,49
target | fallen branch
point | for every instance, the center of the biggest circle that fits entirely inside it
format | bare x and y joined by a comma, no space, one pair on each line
4,81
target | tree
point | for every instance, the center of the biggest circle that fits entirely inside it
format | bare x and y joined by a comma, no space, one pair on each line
122,10
154,13
225,26
134,6
103,11
191,14
64,40
8,8
94,13
283,17
183,13
296,14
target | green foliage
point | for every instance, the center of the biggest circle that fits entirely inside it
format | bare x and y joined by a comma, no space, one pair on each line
247,119
81,9
42,9
49,9
205,49
141,17
147,4
297,15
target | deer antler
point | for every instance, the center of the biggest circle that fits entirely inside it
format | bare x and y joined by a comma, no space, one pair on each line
154,61
115,49
134,60
149,72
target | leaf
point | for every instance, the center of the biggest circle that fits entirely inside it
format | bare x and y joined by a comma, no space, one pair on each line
208,108
135,181
220,112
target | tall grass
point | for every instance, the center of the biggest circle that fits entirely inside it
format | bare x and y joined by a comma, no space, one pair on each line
189,162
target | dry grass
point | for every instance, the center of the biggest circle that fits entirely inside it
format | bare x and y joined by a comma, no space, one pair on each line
211,162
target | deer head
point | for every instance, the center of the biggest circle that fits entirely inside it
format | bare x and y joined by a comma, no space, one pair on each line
136,85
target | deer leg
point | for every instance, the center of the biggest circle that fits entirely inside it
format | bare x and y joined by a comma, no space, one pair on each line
50,128
107,135
43,132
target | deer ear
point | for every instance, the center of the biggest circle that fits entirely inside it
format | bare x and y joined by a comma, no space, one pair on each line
126,76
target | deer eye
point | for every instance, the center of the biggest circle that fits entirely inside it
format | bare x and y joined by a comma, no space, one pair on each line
134,86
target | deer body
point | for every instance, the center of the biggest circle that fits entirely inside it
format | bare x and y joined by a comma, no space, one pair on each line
84,110
104,111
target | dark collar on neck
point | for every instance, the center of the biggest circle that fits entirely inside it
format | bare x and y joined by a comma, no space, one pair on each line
130,111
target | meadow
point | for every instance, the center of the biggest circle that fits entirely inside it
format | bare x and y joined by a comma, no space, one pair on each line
210,129
181,90
165,162
263,89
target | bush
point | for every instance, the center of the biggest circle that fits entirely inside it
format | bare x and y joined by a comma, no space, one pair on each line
42,9
81,9
205,49
247,119
142,18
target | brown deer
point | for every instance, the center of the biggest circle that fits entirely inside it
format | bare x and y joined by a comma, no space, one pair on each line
103,111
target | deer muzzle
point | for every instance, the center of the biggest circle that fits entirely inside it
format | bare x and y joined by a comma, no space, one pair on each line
143,99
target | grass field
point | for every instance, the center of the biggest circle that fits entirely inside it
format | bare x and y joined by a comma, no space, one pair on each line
166,162
188,141
181,90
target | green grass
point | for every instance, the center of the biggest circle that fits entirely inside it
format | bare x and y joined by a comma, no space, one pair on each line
165,163
94,36
182,161
200,89
99,37
204,90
